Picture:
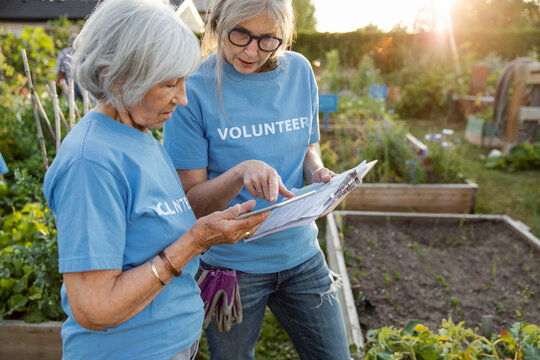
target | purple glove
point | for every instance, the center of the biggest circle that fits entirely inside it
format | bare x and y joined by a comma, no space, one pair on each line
220,294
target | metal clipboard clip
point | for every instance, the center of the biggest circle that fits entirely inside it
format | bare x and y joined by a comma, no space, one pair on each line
352,180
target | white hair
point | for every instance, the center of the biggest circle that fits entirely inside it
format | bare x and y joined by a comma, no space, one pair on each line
128,46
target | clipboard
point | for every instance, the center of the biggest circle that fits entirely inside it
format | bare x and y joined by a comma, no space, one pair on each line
353,179
320,199
272,207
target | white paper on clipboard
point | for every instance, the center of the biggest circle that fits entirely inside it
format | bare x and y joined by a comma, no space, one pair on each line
325,199
275,206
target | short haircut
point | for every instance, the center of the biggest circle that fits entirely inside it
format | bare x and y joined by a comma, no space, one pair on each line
128,46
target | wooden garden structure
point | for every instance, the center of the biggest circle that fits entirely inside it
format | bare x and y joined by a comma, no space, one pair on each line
524,74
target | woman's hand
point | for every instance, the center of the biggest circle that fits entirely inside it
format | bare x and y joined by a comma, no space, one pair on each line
323,175
116,295
314,170
262,181
222,227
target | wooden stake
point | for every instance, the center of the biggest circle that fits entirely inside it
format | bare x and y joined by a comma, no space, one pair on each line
54,98
71,101
57,124
43,114
516,101
70,89
34,108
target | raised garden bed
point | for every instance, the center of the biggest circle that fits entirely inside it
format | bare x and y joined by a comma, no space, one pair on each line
429,198
19,340
397,267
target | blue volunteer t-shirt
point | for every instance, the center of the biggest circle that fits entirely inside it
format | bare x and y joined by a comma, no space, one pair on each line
270,116
117,201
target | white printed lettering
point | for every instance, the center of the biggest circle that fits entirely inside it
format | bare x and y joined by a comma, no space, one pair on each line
269,128
186,203
169,211
160,210
255,130
178,205
160,207
288,125
237,131
264,129
246,135
280,123
223,133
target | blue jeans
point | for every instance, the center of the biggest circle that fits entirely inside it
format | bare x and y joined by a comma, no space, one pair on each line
304,301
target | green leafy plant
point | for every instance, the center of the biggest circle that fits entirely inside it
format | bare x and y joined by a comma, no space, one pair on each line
521,341
29,279
452,341
523,156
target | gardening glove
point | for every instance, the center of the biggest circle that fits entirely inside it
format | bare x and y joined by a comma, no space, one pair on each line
221,297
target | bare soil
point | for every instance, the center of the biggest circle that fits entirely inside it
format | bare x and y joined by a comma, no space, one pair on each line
476,272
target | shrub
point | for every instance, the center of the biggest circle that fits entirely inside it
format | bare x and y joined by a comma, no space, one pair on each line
523,156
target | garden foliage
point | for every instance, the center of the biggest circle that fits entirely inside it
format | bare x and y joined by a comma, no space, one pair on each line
523,156
29,278
399,161
453,341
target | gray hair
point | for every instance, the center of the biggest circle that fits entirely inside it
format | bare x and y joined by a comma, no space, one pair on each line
227,14
128,46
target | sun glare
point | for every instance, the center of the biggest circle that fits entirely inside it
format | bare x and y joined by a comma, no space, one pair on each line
441,15
349,15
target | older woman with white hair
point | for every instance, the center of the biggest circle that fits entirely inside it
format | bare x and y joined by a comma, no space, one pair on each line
128,240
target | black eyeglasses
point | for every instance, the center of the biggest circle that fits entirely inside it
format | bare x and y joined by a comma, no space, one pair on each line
267,43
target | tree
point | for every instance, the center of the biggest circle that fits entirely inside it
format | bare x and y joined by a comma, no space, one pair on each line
496,14
305,15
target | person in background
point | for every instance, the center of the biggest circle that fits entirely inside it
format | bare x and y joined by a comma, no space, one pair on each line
3,167
63,67
128,241
251,130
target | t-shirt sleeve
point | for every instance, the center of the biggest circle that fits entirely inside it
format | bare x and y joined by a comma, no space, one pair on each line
184,139
315,134
91,218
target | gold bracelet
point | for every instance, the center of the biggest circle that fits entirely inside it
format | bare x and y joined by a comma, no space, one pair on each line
169,264
154,270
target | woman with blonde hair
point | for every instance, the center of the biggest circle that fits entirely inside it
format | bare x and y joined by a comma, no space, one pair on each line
251,130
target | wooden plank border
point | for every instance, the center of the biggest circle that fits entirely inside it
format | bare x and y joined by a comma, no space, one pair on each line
20,340
425,198
336,262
